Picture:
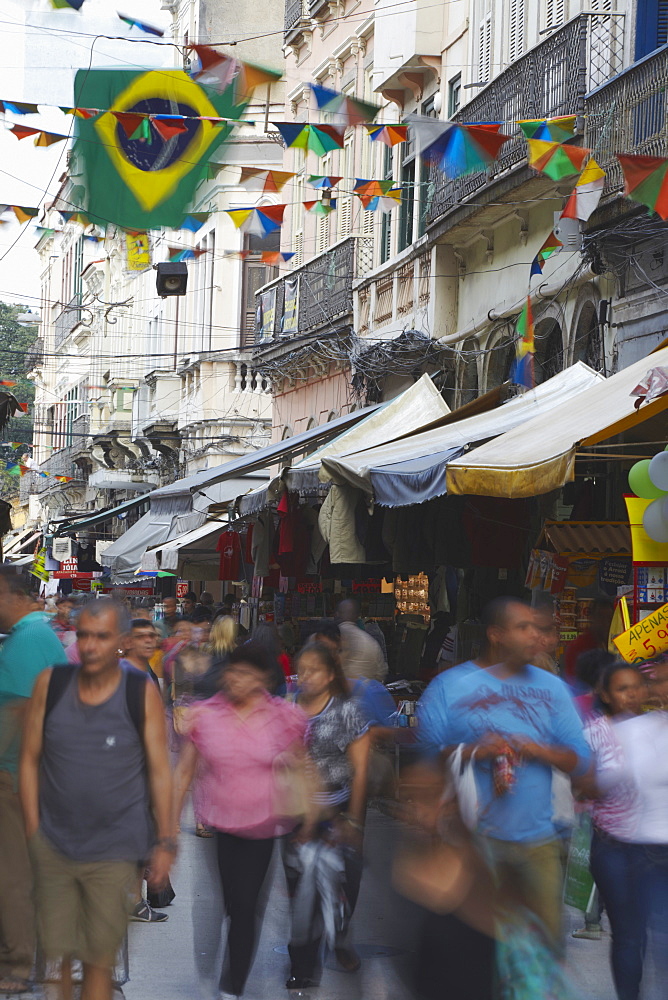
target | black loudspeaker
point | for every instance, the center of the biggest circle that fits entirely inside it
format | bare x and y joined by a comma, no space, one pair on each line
172,279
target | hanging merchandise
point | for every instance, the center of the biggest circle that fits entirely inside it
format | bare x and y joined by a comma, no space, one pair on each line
587,194
645,181
389,135
550,129
320,207
522,372
321,182
257,221
267,181
320,139
132,176
556,160
457,149
348,110
550,246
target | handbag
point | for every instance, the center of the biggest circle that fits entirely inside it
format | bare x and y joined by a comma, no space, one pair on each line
466,790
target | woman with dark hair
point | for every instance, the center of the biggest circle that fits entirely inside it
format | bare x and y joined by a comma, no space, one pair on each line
323,861
237,737
265,634
621,689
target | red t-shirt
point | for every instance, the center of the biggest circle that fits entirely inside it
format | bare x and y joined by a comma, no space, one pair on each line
229,547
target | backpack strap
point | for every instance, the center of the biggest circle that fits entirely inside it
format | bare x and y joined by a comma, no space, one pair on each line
135,695
61,676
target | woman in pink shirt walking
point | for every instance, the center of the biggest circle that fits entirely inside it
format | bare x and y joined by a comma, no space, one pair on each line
237,737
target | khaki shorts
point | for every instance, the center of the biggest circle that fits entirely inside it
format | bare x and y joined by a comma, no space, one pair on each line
82,907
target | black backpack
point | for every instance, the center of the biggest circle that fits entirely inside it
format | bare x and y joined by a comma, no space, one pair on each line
135,693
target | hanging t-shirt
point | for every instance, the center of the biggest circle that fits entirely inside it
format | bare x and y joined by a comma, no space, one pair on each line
230,555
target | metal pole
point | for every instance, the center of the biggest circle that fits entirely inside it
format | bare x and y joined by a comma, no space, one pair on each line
176,332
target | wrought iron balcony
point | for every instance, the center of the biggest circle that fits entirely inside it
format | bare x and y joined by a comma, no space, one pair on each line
551,79
629,114
67,320
62,462
294,11
324,292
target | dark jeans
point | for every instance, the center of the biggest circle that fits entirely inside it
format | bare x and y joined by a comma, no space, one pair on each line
633,882
454,961
243,866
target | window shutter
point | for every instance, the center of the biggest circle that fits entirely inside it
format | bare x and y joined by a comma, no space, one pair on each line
322,241
516,34
662,22
485,49
555,13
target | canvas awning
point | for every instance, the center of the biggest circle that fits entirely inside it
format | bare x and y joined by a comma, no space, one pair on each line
419,407
412,470
125,556
193,555
539,455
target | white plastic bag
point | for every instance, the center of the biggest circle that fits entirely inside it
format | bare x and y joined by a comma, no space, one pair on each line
463,778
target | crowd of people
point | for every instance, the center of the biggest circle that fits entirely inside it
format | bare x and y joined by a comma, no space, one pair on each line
110,719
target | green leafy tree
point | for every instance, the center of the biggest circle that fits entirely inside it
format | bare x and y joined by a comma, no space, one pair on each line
17,358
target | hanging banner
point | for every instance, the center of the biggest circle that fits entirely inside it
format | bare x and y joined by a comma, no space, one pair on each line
137,251
290,319
268,305
38,567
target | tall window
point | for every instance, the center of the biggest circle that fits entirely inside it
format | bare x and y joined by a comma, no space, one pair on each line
651,26
454,95
255,274
386,225
407,207
555,13
204,303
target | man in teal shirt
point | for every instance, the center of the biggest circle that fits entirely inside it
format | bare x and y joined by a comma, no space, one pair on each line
31,645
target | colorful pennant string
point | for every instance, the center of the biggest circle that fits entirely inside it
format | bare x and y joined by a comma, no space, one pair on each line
148,29
550,246
194,221
179,253
645,181
257,221
555,159
18,108
322,183
457,149
349,110
320,139
389,135
320,207
584,200
267,181
522,370
63,4
550,129
385,202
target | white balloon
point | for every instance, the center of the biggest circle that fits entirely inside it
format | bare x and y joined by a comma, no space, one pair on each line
658,470
654,523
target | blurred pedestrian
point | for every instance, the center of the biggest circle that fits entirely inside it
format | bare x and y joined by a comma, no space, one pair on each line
62,623
170,617
631,866
515,722
265,634
30,646
222,640
323,860
141,647
237,736
596,636
361,655
95,790
189,605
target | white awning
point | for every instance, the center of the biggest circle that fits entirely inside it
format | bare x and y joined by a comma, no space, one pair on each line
412,469
193,555
419,407
539,455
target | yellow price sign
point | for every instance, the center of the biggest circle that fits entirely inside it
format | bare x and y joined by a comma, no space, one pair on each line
647,639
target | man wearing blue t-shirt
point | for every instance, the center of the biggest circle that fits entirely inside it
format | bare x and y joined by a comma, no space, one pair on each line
517,722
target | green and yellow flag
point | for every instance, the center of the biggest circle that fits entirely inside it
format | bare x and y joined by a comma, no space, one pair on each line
139,172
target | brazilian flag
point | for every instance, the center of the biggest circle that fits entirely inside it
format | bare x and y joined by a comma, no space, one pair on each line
145,178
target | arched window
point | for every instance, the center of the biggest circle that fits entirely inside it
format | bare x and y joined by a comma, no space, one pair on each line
468,373
549,357
587,342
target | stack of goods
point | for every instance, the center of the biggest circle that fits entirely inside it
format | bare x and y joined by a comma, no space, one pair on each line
412,596
583,613
568,606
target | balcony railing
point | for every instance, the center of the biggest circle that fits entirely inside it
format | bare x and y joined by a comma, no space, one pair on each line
629,115
67,320
549,80
294,11
324,290
61,463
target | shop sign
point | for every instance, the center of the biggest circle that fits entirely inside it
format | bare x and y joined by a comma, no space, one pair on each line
268,304
647,639
613,573
290,305
366,586
181,588
309,587
69,565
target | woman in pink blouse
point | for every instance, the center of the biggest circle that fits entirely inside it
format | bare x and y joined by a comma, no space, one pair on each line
237,737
